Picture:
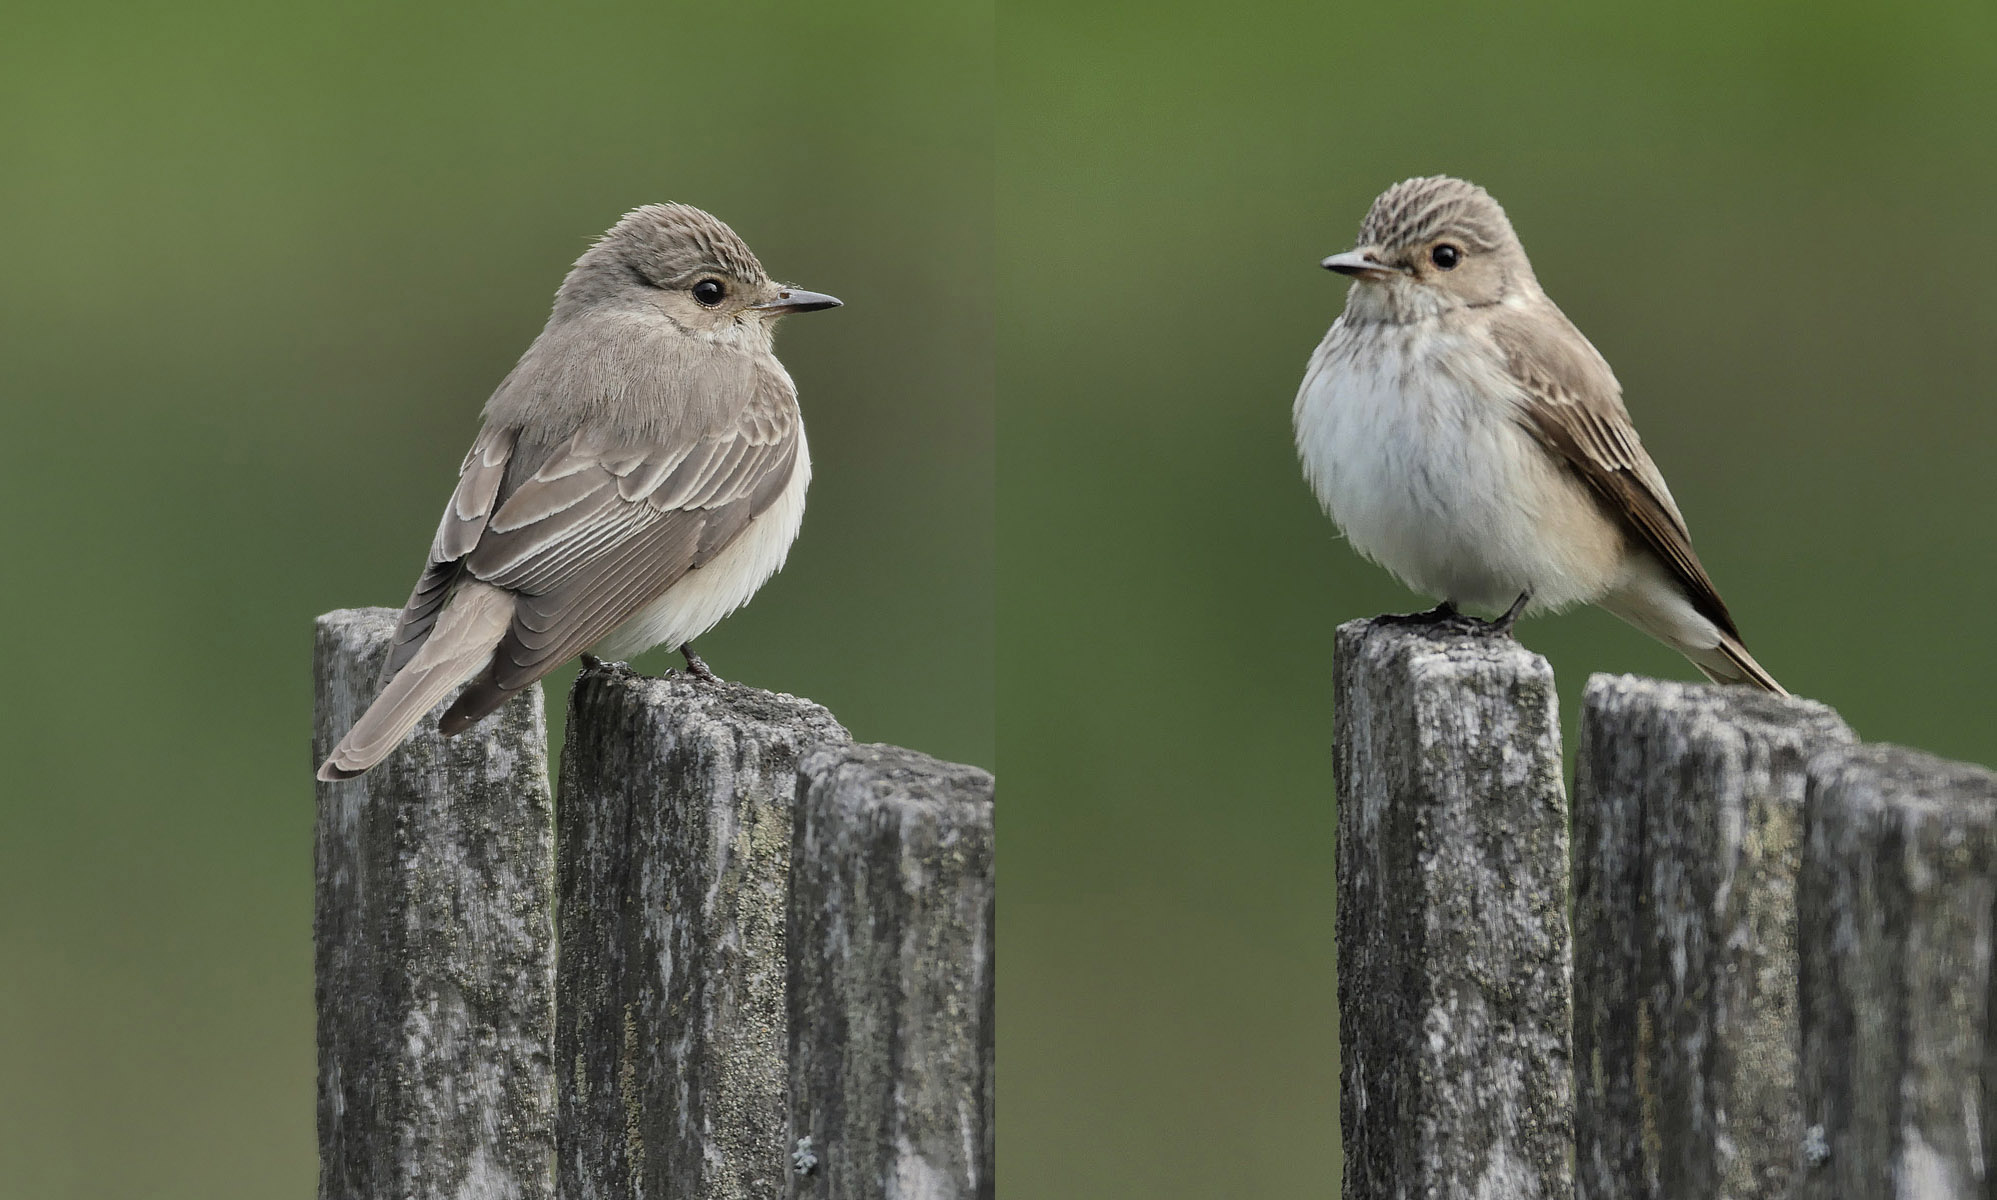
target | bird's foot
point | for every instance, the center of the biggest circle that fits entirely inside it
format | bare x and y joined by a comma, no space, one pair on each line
1442,614
1445,619
697,666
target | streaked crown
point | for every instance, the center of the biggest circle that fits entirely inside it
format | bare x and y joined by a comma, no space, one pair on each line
673,241
1417,211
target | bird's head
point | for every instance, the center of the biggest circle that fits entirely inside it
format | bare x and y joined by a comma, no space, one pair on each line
689,266
1433,244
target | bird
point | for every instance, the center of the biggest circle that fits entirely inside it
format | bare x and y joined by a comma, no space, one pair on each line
1464,435
638,476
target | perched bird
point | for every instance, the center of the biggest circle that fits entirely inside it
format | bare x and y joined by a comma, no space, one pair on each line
1465,436
639,475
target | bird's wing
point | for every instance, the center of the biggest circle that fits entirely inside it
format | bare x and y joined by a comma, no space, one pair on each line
1570,401
464,521
596,533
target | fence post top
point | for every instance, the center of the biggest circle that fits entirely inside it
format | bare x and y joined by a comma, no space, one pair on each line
1625,696
1881,774
1438,649
356,624
876,775
735,704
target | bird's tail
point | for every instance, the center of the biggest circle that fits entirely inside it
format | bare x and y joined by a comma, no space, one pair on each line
460,646
1654,603
1729,662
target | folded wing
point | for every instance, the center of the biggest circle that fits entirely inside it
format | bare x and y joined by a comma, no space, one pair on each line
1571,402
599,531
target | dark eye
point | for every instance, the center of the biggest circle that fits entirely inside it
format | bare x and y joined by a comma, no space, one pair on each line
709,292
1445,257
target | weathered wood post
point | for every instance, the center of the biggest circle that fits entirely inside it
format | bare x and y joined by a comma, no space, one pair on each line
434,946
1688,824
1452,917
891,984
675,834
1899,880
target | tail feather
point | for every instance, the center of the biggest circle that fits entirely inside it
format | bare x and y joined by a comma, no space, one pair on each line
459,647
1729,662
1655,602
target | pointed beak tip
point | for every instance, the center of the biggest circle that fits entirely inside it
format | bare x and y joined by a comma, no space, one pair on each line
797,300
1359,264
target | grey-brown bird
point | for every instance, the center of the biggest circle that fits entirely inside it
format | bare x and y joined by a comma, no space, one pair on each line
640,474
1465,436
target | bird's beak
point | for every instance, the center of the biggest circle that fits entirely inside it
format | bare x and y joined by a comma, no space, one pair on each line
1363,263
796,300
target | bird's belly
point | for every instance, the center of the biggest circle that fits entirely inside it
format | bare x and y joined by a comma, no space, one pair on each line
701,598
1440,485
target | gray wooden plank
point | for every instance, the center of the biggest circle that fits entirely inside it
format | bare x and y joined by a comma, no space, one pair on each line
675,834
1452,937
891,977
1688,821
434,946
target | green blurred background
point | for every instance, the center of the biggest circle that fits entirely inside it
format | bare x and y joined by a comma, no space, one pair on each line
263,265
1775,219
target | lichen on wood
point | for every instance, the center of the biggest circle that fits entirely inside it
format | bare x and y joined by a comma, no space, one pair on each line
891,972
1688,823
1896,900
675,827
434,946
1452,935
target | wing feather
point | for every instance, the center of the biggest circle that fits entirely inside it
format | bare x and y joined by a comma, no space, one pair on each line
464,523
643,480
574,476
594,536
1570,401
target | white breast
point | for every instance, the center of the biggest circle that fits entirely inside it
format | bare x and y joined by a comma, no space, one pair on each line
1408,436
701,598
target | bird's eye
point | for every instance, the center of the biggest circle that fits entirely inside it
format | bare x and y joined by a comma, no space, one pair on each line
709,292
1445,257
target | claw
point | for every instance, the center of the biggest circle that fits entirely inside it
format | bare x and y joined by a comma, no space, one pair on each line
1441,614
696,666
1444,618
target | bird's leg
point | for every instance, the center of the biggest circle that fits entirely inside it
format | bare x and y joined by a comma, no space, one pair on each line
695,666
1503,625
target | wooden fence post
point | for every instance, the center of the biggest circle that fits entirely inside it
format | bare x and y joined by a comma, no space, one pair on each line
675,833
891,997
434,946
1688,821
1898,884
1452,917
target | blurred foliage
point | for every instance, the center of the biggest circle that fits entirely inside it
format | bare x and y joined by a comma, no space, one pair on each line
264,264
1773,218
